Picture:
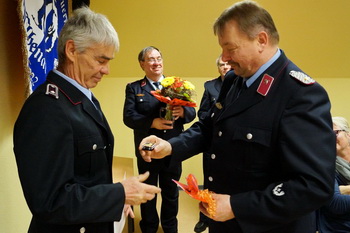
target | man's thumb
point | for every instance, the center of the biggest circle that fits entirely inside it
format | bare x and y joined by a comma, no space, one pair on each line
143,176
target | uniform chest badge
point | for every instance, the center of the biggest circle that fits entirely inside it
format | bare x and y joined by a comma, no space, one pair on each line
143,83
265,84
52,90
301,77
218,105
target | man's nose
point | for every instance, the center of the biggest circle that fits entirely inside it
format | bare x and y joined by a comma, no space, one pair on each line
105,69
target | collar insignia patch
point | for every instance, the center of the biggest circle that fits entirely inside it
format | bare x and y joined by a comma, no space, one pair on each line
52,90
265,84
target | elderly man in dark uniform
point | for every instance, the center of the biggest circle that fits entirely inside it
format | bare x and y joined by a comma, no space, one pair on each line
270,139
63,143
142,114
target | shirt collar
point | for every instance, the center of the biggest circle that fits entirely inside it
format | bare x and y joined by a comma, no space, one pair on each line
264,67
85,91
151,81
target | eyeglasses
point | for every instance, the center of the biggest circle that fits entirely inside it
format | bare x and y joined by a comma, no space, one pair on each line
337,131
154,60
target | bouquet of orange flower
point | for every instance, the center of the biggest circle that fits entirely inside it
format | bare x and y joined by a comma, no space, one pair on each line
175,92
191,188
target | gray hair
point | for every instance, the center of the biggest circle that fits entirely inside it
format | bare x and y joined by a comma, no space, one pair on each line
86,28
218,60
342,123
251,19
144,51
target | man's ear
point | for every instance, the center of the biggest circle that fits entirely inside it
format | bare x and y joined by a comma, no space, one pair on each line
263,39
141,64
70,50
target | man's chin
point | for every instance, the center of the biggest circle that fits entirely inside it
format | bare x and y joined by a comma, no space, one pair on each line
92,85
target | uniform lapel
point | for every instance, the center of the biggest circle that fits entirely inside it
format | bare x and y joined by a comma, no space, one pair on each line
246,99
218,84
146,86
76,97
90,109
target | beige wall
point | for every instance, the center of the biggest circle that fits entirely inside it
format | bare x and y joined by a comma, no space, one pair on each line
314,34
13,210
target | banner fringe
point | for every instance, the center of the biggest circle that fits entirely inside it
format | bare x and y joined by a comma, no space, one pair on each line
24,49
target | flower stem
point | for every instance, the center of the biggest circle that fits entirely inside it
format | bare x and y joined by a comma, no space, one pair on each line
168,112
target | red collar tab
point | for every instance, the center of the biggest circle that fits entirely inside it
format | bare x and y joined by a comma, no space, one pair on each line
265,85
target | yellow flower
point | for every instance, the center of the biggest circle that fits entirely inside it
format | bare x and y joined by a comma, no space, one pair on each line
168,81
188,85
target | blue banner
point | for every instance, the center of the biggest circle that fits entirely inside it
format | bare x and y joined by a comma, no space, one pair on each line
42,21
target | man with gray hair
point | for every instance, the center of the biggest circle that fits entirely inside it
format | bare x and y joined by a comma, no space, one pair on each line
63,143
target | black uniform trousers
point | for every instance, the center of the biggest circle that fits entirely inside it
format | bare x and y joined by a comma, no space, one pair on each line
169,208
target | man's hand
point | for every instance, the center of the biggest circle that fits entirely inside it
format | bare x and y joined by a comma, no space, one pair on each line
162,148
178,111
344,189
128,211
161,124
136,192
223,208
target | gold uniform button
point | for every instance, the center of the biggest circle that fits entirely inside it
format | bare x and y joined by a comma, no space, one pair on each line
220,133
94,147
82,230
249,136
213,156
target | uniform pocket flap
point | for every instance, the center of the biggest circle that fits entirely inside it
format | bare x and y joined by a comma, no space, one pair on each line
91,144
261,136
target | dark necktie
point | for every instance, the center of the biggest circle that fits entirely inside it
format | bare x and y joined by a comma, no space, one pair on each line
235,90
97,105
242,88
156,84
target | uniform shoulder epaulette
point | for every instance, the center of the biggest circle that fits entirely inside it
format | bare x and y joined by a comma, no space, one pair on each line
52,90
300,76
